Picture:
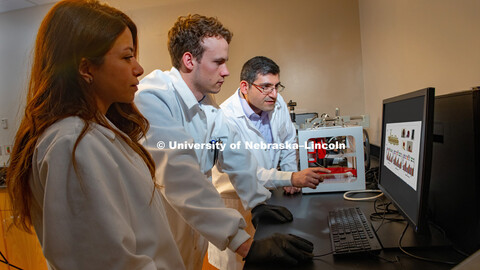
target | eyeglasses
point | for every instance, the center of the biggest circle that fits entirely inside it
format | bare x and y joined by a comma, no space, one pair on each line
267,89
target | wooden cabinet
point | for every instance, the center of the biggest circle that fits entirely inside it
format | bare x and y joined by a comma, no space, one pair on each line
19,247
4,252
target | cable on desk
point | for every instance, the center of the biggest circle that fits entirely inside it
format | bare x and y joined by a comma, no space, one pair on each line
7,263
345,195
374,215
461,252
383,215
385,259
385,211
385,205
445,237
321,255
371,178
418,257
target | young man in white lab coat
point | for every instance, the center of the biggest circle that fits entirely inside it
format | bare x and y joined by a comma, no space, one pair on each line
261,116
188,135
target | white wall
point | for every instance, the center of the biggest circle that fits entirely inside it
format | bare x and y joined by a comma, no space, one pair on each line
344,53
315,42
17,34
412,44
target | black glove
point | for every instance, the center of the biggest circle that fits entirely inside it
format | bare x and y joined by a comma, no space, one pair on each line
280,248
274,213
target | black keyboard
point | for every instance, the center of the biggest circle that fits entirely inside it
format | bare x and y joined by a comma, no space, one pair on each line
350,232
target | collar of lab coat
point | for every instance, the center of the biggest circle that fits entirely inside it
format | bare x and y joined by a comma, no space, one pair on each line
108,132
182,88
105,131
238,109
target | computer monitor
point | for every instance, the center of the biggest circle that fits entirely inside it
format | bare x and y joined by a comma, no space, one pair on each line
406,154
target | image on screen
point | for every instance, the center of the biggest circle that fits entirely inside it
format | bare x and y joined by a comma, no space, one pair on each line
402,149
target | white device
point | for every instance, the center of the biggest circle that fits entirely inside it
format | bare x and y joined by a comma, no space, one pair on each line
337,148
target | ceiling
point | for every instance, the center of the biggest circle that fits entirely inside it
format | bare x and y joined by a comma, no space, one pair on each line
9,5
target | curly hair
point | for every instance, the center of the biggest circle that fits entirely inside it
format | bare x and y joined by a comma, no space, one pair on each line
187,35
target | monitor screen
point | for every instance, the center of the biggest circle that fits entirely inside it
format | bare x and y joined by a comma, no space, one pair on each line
406,153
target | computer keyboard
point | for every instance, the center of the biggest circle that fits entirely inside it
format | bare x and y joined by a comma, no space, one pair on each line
351,232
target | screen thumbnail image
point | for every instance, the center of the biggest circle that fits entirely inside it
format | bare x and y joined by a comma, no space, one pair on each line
402,149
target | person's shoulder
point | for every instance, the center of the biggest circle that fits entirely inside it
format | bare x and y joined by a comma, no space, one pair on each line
157,85
231,99
229,103
281,105
281,101
157,82
69,126
62,134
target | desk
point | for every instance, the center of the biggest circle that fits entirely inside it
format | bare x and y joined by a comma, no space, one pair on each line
310,222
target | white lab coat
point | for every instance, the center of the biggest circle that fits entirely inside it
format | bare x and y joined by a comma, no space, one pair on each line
283,131
176,116
107,216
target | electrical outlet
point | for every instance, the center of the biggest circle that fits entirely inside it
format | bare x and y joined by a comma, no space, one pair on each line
4,123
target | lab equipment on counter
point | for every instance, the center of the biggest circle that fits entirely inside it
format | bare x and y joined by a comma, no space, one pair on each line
337,148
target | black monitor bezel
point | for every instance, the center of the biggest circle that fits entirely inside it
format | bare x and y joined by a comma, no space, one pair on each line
420,222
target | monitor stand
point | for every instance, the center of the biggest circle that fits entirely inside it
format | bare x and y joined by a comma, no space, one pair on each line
389,233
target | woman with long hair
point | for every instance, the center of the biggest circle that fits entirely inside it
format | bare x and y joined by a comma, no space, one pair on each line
77,172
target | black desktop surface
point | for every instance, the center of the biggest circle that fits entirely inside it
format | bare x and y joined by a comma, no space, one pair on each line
310,213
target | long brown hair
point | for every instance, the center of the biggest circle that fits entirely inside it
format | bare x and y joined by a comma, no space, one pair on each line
71,31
